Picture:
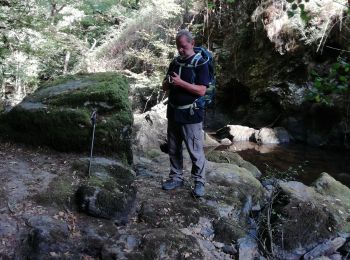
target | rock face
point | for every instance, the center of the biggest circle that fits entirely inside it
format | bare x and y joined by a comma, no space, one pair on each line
309,215
265,70
58,115
151,129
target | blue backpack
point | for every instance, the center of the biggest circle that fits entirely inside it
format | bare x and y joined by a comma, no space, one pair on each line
208,99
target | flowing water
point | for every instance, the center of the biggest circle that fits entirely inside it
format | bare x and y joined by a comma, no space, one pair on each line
310,162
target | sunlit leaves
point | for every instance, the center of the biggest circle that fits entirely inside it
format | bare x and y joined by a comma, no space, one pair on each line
297,7
336,81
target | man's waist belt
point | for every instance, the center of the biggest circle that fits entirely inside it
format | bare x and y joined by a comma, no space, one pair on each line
184,106
189,106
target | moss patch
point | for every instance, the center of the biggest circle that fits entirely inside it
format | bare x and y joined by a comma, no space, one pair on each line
228,231
232,158
60,192
169,244
58,115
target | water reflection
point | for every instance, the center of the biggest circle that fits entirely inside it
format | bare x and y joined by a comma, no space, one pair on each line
281,157
242,146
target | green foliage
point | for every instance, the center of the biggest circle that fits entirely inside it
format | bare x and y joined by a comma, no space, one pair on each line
38,36
335,81
298,8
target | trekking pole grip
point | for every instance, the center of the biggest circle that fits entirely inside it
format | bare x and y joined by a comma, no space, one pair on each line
93,117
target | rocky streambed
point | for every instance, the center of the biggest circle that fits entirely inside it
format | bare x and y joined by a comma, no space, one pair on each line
51,209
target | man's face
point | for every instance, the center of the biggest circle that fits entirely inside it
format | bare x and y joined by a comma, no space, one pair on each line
184,47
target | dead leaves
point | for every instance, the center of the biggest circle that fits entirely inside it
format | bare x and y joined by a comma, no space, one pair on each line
71,220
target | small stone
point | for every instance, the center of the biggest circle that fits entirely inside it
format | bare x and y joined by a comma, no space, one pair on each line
336,257
218,244
208,245
225,141
229,249
206,232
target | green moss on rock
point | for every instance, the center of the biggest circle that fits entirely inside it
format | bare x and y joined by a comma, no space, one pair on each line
58,115
232,158
60,191
170,244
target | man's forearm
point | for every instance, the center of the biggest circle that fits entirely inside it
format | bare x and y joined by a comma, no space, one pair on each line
198,90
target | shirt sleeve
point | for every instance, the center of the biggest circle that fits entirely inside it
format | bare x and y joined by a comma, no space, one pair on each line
202,74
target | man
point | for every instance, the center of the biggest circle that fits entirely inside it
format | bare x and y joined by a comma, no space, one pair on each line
187,80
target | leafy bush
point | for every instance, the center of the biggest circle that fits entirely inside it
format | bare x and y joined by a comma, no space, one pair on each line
334,81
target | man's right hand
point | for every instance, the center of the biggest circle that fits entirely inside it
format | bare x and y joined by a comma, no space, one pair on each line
165,84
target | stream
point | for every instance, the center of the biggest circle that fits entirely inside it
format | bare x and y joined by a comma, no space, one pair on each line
308,162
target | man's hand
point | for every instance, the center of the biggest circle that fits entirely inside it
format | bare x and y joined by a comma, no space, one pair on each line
165,84
192,88
176,80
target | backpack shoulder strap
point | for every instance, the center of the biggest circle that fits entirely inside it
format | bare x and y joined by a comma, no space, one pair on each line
195,59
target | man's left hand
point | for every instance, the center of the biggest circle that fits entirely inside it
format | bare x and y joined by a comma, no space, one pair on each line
177,81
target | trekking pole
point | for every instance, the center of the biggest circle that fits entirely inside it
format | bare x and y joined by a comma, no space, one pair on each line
93,122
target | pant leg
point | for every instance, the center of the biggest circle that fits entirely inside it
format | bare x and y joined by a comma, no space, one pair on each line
175,150
193,138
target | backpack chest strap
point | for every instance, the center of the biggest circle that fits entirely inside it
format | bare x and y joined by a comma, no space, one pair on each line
192,64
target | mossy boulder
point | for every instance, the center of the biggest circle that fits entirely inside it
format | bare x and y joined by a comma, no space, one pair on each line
58,115
233,158
105,172
228,230
46,235
309,215
169,243
59,192
103,203
234,185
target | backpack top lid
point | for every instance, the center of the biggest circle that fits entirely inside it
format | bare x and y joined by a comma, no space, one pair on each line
208,57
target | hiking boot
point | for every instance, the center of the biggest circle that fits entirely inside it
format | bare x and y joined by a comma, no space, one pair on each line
172,184
199,189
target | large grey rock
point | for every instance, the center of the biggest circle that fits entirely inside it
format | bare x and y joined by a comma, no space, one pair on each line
106,170
241,133
46,236
232,158
275,135
248,248
151,129
58,115
327,248
312,214
103,203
